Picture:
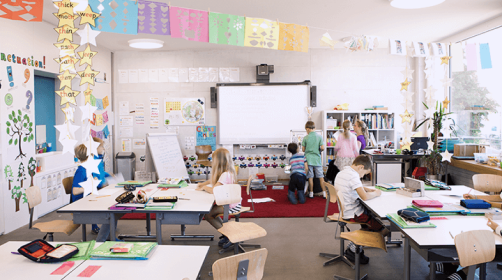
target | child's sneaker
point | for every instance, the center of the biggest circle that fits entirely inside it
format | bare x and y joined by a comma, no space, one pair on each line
460,275
324,194
95,229
352,256
311,195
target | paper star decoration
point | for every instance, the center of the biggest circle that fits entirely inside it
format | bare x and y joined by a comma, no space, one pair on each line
446,156
430,145
445,59
87,55
428,63
407,95
67,95
446,81
66,131
87,94
65,6
407,104
92,146
88,16
408,74
65,32
406,117
429,92
86,131
90,185
407,130
445,103
66,63
91,166
406,145
87,76
66,48
428,73
429,112
81,5
405,84
65,79
68,112
88,35
87,111
66,19
68,146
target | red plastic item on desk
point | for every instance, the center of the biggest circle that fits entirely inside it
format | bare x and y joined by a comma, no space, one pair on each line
419,172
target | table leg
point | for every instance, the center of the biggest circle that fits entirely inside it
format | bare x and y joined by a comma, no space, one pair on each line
482,271
432,271
148,224
158,218
112,227
84,233
407,258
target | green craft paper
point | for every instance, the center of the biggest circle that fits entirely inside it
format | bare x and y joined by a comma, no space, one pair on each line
93,100
225,29
84,250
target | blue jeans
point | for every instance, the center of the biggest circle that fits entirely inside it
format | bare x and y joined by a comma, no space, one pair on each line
104,232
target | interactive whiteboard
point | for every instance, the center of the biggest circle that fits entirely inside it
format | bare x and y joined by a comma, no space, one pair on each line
263,114
163,154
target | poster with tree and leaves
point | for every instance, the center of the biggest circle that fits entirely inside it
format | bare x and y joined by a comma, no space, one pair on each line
20,130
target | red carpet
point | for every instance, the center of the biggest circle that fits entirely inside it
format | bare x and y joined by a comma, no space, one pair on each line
313,207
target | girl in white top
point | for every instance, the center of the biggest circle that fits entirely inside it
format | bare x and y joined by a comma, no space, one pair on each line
223,172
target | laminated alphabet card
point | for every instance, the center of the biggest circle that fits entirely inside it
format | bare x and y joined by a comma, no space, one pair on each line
261,33
189,24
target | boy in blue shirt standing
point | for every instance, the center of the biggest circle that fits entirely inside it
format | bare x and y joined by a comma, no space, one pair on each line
299,169
312,146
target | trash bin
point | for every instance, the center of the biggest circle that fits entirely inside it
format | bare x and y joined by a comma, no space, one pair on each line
126,164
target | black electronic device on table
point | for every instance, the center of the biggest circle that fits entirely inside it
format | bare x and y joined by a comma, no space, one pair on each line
419,143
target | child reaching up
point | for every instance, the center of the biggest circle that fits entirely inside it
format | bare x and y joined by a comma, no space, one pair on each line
102,174
312,146
223,173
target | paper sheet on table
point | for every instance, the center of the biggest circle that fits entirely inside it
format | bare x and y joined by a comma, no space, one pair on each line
261,200
118,178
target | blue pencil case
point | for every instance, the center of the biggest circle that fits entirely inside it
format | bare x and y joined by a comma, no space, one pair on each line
475,204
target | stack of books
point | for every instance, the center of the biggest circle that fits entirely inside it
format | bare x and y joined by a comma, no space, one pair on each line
151,205
138,251
403,223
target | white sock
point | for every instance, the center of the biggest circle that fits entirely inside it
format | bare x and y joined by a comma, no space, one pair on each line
324,194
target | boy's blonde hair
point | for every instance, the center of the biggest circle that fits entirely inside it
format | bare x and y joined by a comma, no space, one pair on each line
222,162
310,125
81,152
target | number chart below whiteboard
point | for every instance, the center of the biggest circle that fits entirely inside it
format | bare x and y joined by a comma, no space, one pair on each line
163,155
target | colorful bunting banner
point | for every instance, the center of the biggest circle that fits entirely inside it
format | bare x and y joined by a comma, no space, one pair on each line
116,16
102,134
261,33
22,10
153,18
472,59
189,24
293,37
225,29
484,53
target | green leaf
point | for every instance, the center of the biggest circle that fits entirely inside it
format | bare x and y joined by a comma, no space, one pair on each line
10,141
14,120
15,142
24,139
13,114
8,130
10,117
19,112
8,123
25,124
19,118
31,124
30,129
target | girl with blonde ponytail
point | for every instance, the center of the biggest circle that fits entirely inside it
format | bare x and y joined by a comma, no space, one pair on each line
346,148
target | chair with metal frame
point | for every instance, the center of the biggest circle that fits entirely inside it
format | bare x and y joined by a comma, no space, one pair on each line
248,266
67,185
473,248
34,198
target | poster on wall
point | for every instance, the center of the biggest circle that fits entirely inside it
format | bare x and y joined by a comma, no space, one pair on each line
206,135
154,112
184,111
17,141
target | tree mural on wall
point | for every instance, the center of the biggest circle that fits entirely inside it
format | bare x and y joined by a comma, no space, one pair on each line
9,175
17,191
21,174
32,166
20,129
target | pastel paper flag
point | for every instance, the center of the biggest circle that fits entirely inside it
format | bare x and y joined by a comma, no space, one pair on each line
100,134
293,37
225,29
457,58
261,33
116,16
93,133
189,24
105,117
99,104
99,120
472,60
106,132
484,53
22,10
153,18
93,100
105,102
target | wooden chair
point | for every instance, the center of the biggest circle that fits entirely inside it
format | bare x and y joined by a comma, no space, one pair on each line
236,232
65,226
473,248
68,184
487,183
248,266
237,216
203,153
332,197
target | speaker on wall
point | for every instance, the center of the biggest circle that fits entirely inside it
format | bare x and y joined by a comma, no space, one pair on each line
214,97
313,96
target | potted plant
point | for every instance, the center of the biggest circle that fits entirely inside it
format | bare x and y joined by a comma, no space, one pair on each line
433,160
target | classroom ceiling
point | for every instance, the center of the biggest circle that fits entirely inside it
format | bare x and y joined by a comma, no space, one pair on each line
343,18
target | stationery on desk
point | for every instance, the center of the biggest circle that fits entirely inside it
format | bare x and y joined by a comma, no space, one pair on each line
140,251
84,250
134,183
402,223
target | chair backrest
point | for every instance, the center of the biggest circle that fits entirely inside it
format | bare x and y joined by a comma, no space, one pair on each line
487,183
33,196
67,184
227,268
227,194
203,152
475,247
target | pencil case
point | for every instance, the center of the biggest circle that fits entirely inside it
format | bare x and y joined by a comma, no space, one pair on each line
475,204
41,251
413,215
165,199
125,197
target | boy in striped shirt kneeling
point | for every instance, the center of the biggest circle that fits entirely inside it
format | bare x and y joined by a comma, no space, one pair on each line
299,169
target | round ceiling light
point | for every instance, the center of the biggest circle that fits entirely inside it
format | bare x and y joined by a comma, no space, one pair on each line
414,4
146,43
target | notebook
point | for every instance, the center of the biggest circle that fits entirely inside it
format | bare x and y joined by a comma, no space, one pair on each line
140,251
427,203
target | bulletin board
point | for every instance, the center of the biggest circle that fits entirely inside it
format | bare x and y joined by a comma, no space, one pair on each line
184,111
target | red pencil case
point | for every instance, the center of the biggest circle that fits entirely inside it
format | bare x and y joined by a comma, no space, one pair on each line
427,203
43,252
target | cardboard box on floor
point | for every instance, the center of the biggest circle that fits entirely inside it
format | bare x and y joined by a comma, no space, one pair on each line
465,150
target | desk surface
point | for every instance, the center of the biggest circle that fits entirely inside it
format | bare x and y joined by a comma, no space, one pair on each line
172,262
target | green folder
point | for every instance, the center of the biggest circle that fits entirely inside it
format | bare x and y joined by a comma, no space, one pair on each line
427,188
84,250
402,224
140,251
181,184
140,183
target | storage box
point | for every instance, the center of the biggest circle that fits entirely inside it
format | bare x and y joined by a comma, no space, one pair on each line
465,150
482,148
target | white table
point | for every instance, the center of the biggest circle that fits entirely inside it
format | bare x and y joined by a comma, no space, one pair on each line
93,209
166,261
425,239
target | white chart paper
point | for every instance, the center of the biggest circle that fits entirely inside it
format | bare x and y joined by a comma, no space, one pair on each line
173,75
143,75
193,75
123,76
153,75
164,75
183,75
133,76
213,75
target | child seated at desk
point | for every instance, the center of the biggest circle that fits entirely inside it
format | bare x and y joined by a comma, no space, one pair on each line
100,156
223,172
350,190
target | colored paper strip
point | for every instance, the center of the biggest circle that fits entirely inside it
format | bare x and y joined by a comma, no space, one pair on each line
225,29
293,37
484,53
153,18
457,58
189,24
22,10
63,268
89,271
116,16
472,58
261,33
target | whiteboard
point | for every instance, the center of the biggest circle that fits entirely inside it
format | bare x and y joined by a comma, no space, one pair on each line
261,114
163,155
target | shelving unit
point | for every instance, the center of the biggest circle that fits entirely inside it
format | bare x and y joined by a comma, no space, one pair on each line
380,124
